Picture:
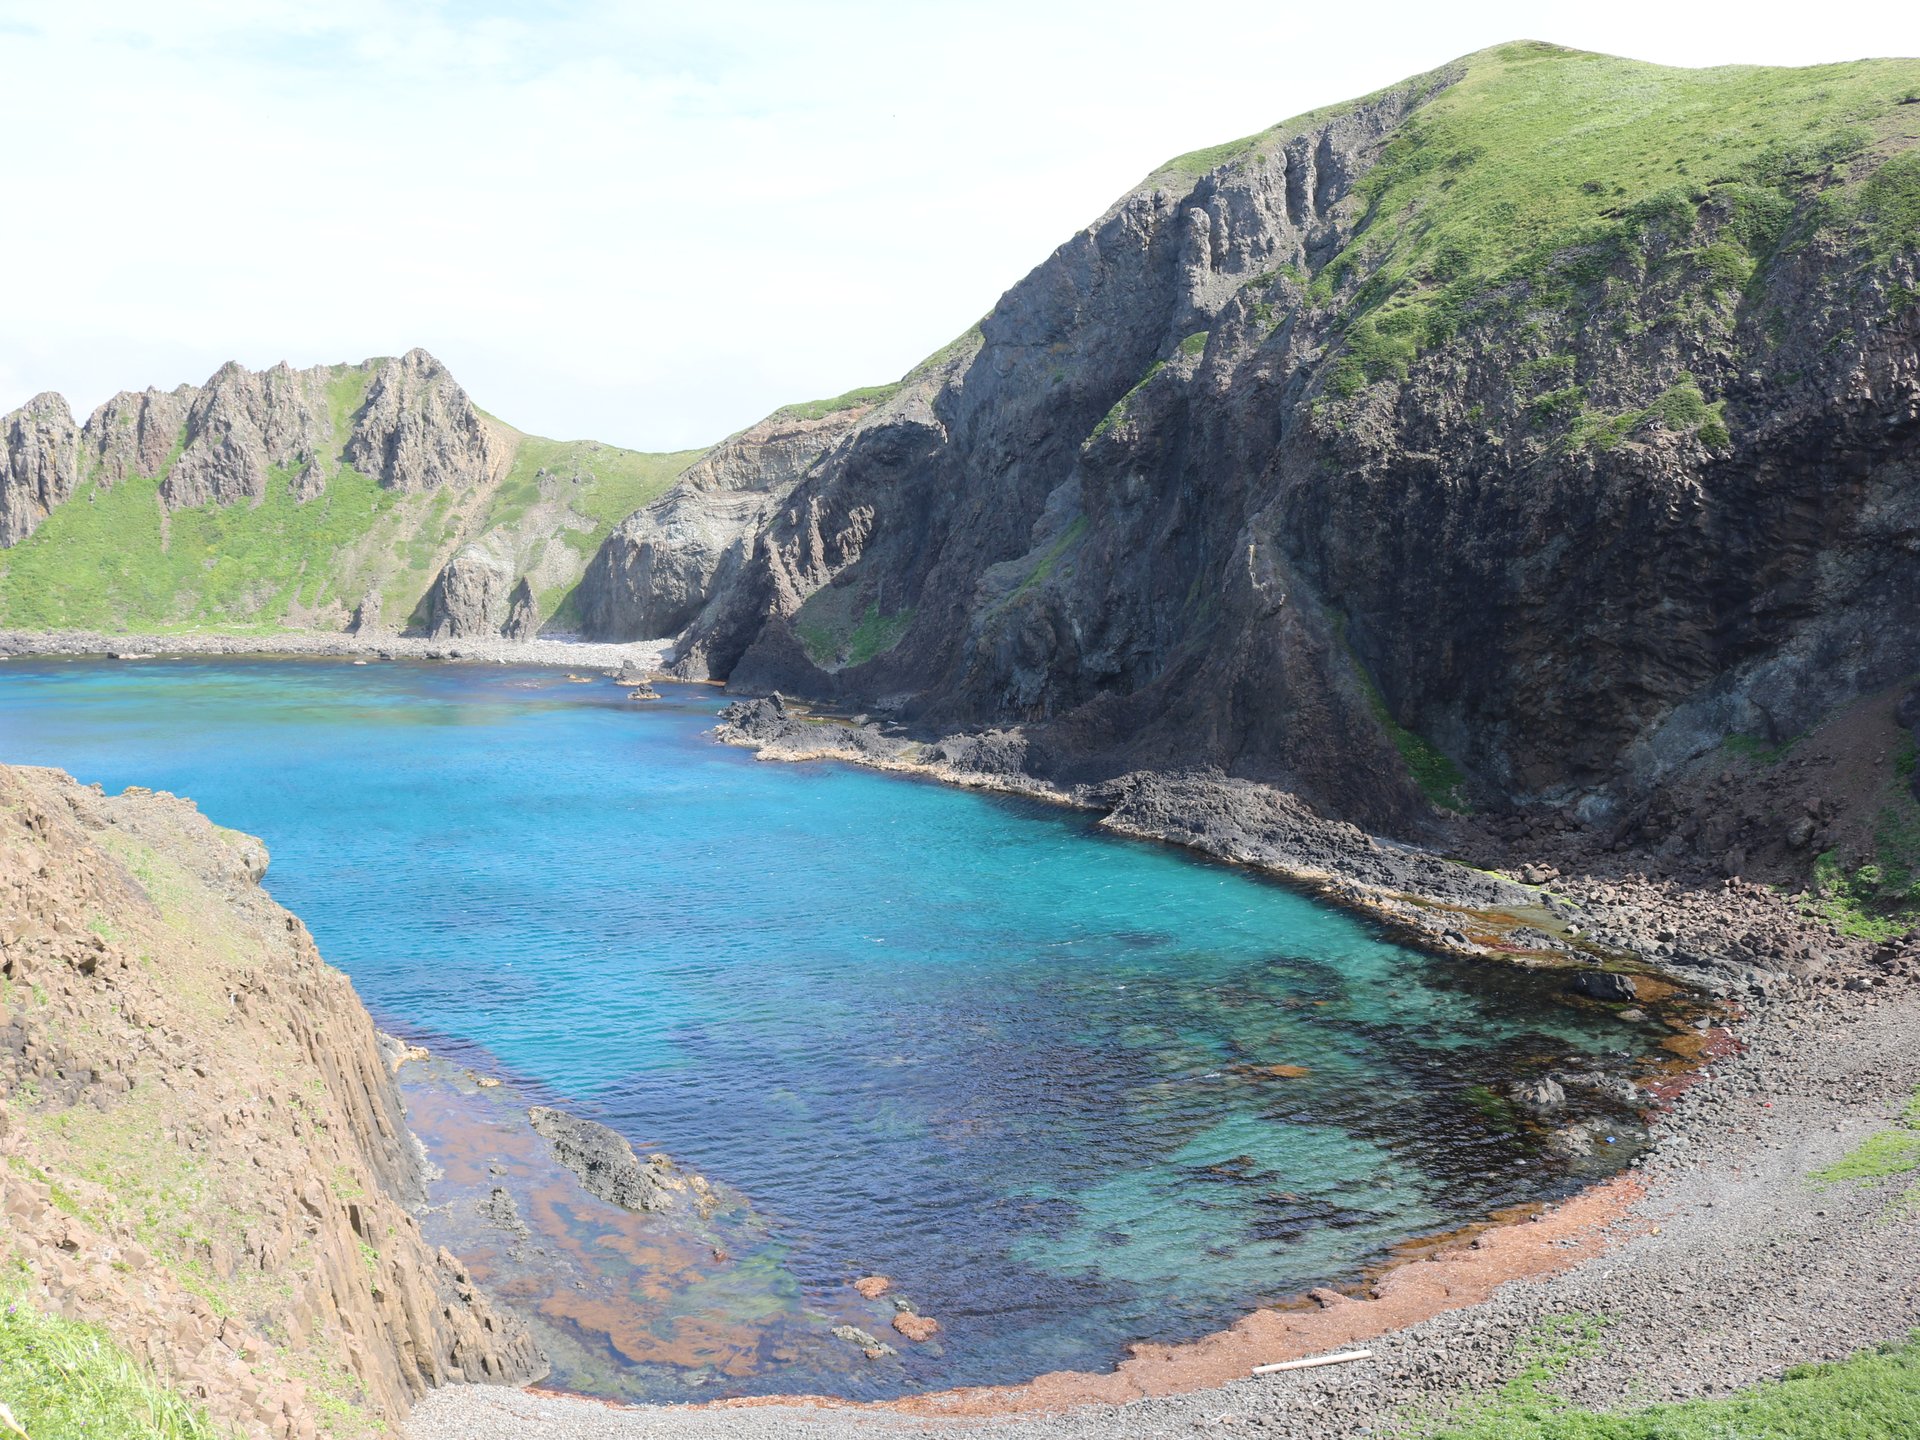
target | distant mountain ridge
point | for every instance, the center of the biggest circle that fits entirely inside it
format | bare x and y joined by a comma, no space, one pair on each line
339,496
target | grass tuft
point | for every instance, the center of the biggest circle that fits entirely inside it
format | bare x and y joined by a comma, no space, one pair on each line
64,1380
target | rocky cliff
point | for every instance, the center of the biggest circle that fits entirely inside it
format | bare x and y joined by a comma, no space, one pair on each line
326,498
203,1147
1513,436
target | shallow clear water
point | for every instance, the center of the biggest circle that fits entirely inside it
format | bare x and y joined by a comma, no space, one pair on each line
962,1040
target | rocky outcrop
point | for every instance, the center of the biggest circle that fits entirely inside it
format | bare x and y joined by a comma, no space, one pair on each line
244,425
610,1171
470,597
653,576
135,432
523,615
1243,477
206,1153
38,449
419,431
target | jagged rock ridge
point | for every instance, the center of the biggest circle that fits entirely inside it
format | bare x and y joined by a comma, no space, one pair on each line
332,497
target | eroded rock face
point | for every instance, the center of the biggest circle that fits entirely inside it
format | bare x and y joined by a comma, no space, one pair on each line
170,1032
470,596
38,454
655,573
523,616
134,433
419,431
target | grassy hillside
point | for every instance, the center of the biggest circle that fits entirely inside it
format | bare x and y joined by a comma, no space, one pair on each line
114,559
1524,185
1874,1395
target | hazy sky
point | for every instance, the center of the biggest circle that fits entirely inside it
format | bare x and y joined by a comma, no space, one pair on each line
652,223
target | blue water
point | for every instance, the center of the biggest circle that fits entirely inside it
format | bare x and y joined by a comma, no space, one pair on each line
965,1041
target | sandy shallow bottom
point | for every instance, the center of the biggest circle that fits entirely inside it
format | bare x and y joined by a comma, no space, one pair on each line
1718,1264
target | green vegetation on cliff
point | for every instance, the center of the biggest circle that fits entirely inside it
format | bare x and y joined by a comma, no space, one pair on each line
571,494
116,558
63,1380
820,409
112,559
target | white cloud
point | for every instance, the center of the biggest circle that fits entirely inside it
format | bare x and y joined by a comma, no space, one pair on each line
650,223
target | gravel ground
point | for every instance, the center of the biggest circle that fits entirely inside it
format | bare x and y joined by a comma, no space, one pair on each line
1733,1267
642,654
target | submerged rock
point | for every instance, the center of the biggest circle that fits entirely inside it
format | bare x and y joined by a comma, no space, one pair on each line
499,1211
1542,1096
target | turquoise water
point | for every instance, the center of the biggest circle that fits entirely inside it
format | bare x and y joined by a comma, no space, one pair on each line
961,1040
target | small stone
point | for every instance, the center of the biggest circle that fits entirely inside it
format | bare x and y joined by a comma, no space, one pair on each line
873,1286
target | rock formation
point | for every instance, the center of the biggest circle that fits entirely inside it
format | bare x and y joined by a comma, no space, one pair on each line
243,425
610,1171
205,1150
470,596
38,447
654,574
419,431
326,498
134,433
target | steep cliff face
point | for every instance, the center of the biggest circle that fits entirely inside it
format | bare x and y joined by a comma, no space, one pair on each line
321,498
204,1149
1514,435
470,596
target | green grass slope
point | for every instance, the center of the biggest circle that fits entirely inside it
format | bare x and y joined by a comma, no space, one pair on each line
1871,1396
1523,183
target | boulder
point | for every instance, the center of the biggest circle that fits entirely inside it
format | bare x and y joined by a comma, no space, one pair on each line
1606,985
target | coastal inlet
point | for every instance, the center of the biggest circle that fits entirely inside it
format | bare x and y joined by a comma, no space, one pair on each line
1064,1091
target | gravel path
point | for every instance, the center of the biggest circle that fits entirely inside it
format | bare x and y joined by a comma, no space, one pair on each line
1731,1268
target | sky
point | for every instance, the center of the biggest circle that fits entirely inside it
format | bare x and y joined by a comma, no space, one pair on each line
647,223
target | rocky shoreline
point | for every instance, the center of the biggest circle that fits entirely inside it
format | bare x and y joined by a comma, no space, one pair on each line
1611,918
637,657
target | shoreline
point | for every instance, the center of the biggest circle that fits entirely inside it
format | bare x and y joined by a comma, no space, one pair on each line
1699,1257
326,644
1427,898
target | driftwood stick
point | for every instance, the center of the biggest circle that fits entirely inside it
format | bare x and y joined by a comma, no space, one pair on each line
1340,1358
